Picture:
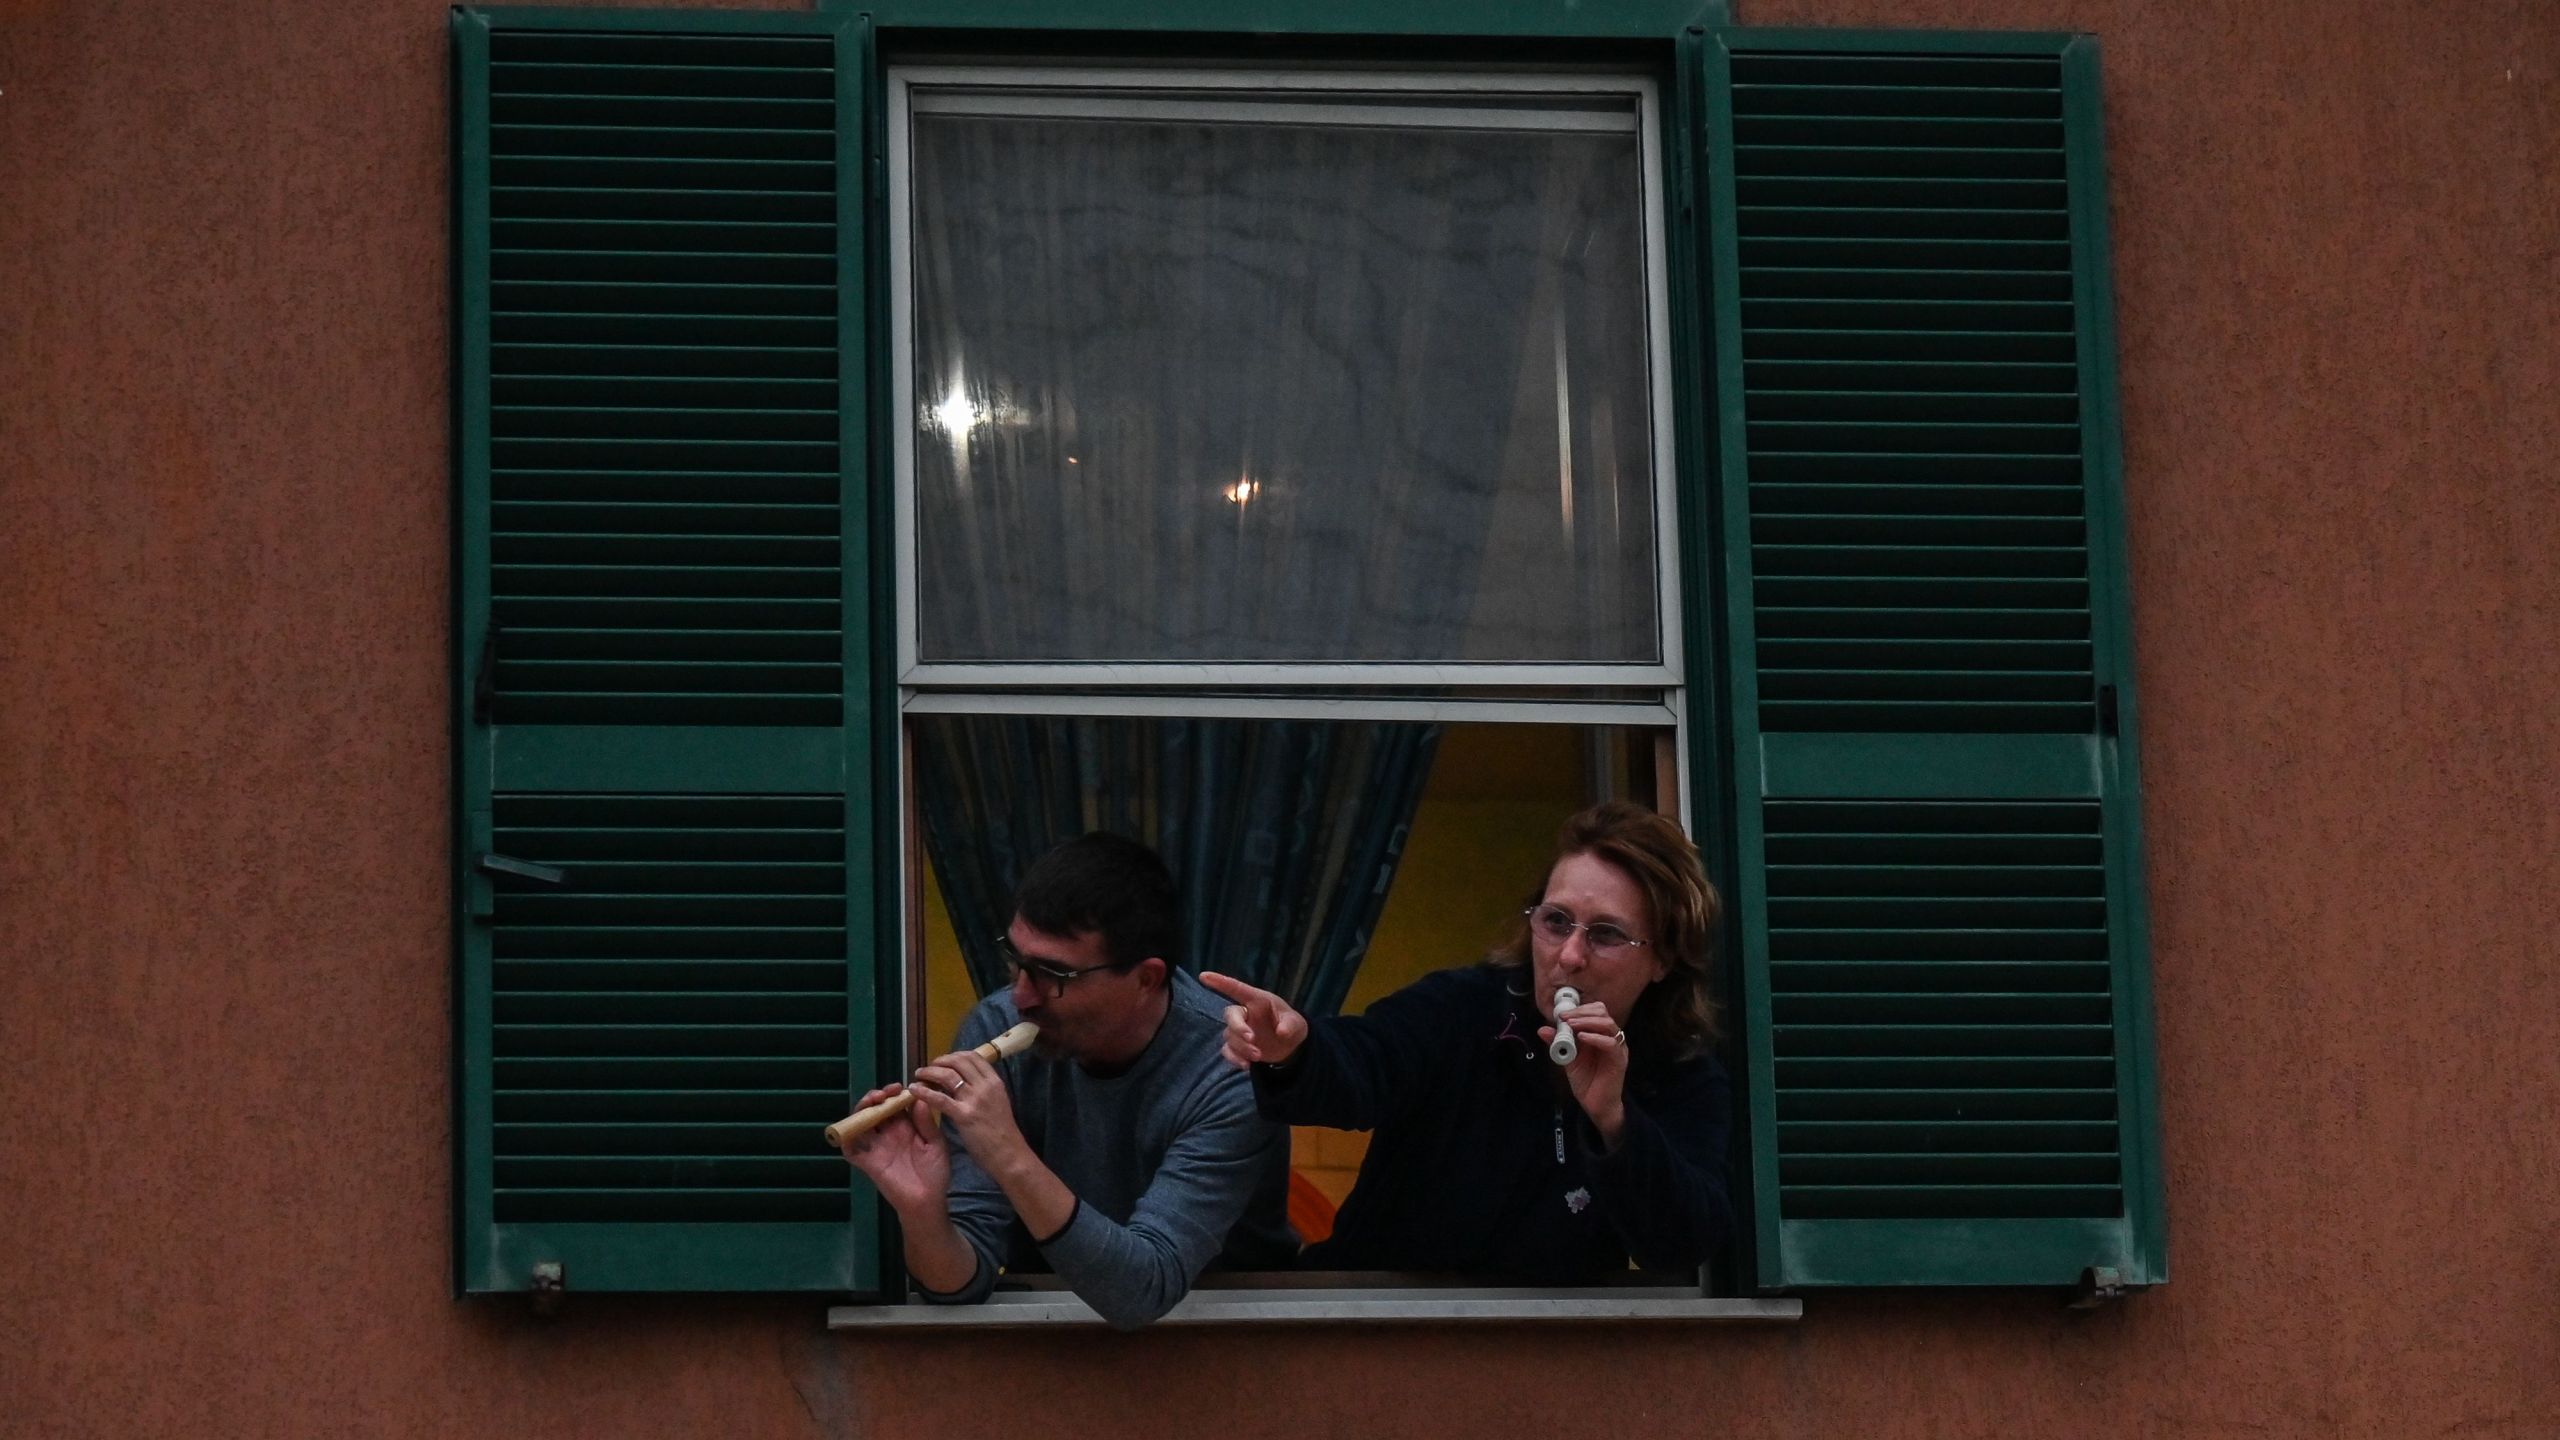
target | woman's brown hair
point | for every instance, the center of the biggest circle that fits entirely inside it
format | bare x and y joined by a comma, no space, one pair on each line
1675,1017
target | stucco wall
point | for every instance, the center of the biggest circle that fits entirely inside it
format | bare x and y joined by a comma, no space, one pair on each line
223,935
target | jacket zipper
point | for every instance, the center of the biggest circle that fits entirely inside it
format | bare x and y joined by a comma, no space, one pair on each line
1559,1134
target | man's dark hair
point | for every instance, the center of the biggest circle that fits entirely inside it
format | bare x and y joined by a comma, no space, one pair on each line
1110,885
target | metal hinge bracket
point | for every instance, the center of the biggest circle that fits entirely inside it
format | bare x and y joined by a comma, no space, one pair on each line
2098,1285
550,1286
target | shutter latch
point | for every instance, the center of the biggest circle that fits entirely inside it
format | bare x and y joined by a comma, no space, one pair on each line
523,869
484,897
2107,711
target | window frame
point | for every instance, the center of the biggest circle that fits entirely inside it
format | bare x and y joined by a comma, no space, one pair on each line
1657,39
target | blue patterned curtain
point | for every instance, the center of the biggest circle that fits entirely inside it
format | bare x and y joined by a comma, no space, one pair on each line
1283,834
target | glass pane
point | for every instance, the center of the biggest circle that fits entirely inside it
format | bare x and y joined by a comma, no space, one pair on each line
1208,381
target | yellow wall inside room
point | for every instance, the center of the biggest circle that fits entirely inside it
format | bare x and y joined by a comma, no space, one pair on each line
947,991
1479,842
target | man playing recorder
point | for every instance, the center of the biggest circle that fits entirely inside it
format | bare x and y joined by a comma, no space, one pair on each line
1121,1152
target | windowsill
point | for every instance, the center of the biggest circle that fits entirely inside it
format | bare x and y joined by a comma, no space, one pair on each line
1377,1304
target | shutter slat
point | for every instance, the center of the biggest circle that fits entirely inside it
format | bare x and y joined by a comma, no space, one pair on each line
1918,623
1979,258
688,46
712,363
1907,1038
758,267
530,643
1958,976
784,239
1989,521
823,975
1937,879
778,1206
704,392
1904,161
743,142
1898,192
673,1042
524,327
1893,1202
1923,1105
704,1138
1896,102
635,1006
744,519
640,297
1868,348
655,1106
1888,1007
1905,222
1828,1137
1975,132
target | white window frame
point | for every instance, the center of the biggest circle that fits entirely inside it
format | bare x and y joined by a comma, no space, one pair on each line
1648,696
1089,91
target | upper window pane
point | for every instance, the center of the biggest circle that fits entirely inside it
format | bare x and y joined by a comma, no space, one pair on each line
1281,376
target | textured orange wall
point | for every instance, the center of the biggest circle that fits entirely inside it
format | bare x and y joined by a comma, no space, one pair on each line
223,760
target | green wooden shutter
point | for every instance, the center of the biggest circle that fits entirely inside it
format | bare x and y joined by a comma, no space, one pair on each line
665,744
1941,898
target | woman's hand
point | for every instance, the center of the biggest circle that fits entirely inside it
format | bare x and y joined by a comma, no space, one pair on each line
1261,1027
1598,1074
904,1157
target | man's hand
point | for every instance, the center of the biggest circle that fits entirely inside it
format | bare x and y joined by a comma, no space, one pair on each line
1261,1027
965,1090
1598,1074
905,1158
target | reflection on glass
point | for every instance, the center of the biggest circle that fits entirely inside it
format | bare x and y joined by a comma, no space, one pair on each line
1203,390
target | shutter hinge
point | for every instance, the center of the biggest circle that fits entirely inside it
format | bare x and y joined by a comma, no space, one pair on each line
484,679
550,1286
2107,719
2098,1285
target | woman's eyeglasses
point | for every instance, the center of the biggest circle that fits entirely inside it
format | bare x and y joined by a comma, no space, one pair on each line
1555,925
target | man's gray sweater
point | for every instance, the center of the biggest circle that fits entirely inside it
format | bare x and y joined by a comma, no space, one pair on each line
1170,1163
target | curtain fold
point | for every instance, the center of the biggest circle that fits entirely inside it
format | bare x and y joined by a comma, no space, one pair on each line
1283,835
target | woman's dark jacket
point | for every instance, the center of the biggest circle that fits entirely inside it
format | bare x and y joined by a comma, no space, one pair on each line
1482,1162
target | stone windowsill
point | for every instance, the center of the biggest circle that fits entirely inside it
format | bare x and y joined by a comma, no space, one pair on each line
1368,1303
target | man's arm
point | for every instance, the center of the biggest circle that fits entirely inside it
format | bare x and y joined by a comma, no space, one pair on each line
1131,1274
967,1089
916,1170
955,1243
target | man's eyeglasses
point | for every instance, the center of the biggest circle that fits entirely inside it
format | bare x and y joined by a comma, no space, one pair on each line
1555,925
1053,978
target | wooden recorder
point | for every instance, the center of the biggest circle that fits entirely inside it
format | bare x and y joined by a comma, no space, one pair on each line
1004,1047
